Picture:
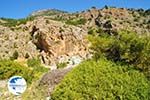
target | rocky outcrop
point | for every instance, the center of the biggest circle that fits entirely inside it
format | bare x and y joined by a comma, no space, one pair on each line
47,12
50,40
55,39
121,19
49,37
15,40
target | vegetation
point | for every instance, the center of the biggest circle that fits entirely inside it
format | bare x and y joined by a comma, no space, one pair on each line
126,47
71,21
10,68
61,65
15,22
101,80
15,55
31,72
35,92
35,64
116,71
75,22
49,12
27,55
119,69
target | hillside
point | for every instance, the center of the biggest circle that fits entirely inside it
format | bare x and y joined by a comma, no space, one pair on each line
57,41
43,34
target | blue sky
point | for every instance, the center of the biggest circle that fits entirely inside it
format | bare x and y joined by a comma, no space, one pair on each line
22,8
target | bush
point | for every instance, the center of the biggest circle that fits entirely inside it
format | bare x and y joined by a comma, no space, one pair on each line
10,68
102,80
126,47
15,55
33,71
61,65
35,92
76,22
95,31
35,63
27,55
14,22
91,31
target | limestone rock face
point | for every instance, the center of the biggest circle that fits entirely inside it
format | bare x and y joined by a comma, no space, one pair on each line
15,40
55,39
48,39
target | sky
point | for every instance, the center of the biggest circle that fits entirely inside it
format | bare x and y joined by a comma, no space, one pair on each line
22,8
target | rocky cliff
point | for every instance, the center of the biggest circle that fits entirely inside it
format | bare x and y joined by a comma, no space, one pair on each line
50,40
57,36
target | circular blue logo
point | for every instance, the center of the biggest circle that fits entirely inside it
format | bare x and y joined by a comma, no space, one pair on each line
17,85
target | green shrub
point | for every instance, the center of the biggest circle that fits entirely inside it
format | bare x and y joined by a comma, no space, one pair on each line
10,68
95,31
35,63
91,31
35,92
14,22
106,7
15,55
102,80
47,21
31,72
27,55
61,65
126,47
75,22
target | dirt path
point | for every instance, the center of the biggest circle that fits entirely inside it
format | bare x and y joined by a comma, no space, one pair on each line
52,78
